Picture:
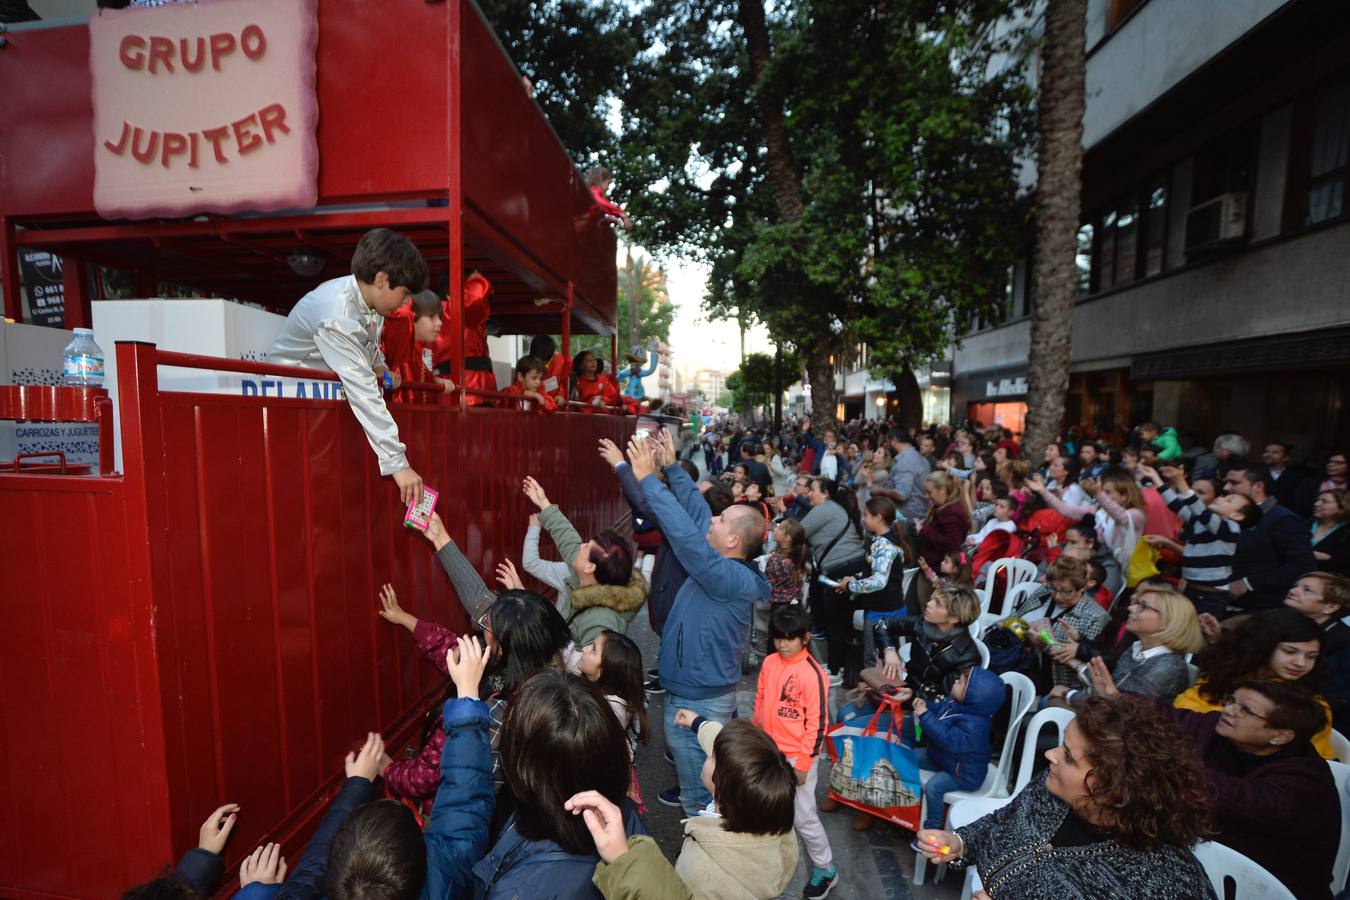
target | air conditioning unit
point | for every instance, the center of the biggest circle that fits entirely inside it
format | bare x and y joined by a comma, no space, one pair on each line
1217,225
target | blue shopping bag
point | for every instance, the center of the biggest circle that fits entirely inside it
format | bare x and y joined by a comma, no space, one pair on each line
873,771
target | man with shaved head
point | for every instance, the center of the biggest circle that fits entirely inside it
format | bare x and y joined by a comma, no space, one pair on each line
701,645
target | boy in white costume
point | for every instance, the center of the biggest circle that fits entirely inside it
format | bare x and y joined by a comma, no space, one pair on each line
337,326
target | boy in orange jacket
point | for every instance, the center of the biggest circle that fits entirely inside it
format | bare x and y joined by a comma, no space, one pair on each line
792,706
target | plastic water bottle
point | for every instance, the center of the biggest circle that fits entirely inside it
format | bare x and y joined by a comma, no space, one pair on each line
83,360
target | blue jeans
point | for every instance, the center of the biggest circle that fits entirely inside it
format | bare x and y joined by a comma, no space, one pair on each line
933,791
683,744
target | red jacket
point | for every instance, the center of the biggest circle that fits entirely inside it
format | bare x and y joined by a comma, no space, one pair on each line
418,778
607,206
405,356
476,311
517,388
944,530
602,386
557,378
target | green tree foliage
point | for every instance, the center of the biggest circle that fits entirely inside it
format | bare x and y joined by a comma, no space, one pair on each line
847,168
754,384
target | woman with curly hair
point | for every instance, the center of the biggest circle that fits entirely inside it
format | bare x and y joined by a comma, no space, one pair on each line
1276,645
1122,803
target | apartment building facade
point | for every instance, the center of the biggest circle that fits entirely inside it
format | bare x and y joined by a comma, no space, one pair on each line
1214,247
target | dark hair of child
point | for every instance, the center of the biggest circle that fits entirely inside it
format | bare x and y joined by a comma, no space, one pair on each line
621,675
385,250
597,175
425,305
612,558
690,469
559,738
169,886
1243,651
718,496
527,364
884,509
542,347
960,563
1097,573
753,783
796,550
789,620
1086,530
378,852
577,368
530,632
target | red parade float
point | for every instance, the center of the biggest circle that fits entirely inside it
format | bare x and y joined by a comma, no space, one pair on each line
200,626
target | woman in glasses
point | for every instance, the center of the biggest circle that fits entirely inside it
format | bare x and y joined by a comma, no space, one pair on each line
1274,798
1277,645
1165,628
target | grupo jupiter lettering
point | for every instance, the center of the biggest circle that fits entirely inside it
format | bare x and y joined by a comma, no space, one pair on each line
203,55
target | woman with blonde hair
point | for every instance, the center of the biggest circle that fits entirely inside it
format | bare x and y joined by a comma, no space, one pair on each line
1166,627
1117,509
945,527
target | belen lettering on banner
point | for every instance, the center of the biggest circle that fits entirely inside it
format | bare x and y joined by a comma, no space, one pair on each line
206,107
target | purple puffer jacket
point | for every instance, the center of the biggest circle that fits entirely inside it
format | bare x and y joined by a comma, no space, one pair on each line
418,778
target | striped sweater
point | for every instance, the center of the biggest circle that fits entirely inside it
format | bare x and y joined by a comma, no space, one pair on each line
792,706
1211,540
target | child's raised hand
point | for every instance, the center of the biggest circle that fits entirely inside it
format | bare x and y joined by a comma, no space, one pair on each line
390,611
365,763
508,577
534,492
1210,627
920,706
604,821
534,520
642,458
466,663
265,865
216,829
684,718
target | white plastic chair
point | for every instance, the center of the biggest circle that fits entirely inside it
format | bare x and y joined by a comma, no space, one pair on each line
996,779
961,815
1249,881
1016,596
985,597
1341,773
1019,572
1340,746
1052,715
983,650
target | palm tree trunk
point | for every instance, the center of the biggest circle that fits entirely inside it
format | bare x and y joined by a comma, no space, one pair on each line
634,314
1059,198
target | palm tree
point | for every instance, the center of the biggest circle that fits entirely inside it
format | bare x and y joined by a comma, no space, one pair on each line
1058,199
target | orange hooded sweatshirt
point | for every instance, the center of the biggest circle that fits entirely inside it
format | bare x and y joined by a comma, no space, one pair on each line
792,706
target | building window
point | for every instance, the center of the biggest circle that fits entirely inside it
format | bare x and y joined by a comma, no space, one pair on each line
1327,154
1155,227
1127,240
1083,261
1119,11
1106,270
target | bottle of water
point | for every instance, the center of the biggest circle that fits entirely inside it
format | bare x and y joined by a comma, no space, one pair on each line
83,360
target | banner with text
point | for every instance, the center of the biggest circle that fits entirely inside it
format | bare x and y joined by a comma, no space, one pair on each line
204,107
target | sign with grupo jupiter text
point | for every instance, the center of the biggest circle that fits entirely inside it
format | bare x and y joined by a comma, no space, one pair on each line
204,107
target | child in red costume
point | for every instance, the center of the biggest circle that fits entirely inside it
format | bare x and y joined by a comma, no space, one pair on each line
594,387
557,369
599,180
528,386
406,342
477,364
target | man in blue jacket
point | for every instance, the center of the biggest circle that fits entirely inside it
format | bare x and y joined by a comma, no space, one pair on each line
701,645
